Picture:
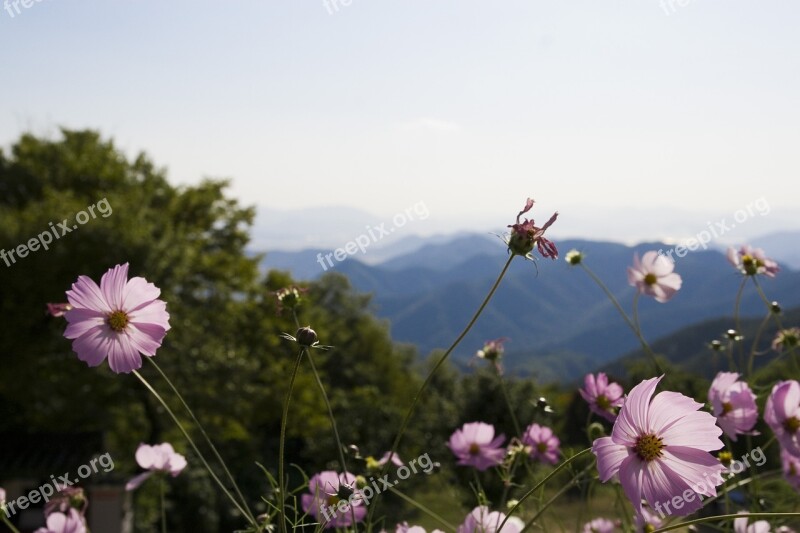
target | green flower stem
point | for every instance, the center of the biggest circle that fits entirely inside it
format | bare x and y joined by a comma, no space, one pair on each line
724,517
439,363
536,487
514,420
634,327
282,442
558,494
424,509
207,438
330,413
194,447
163,507
6,521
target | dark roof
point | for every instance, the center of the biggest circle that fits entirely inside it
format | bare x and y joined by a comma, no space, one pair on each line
40,455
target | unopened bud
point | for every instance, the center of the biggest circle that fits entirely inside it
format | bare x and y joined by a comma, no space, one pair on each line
306,336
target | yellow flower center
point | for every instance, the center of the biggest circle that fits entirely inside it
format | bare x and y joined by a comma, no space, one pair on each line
117,320
650,279
542,447
603,402
648,447
727,407
474,449
791,424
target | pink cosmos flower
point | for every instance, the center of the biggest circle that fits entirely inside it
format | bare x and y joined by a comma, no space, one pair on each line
65,499
740,525
604,398
524,235
751,261
654,276
156,458
405,528
475,445
71,522
599,525
660,448
481,520
542,442
120,319
734,404
646,520
782,414
791,469
333,500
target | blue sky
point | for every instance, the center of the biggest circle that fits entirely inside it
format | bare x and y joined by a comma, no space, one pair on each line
467,106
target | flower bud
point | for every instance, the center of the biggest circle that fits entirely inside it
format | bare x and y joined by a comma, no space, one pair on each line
574,257
306,336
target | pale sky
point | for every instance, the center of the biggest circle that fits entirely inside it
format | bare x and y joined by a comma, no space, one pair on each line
468,106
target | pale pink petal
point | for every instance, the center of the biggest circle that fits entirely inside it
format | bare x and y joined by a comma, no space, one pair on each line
139,292
112,284
122,356
151,313
142,340
146,456
634,414
630,477
137,481
81,321
668,408
86,294
697,430
93,346
609,456
700,469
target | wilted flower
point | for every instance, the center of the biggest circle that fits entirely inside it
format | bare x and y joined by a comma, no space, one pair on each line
659,449
492,351
121,319
654,276
604,398
734,404
786,338
791,469
751,261
481,520
330,499
475,445
782,414
70,522
524,236
542,442
58,310
156,458
599,525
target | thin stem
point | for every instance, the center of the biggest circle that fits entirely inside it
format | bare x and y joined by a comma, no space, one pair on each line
517,428
634,327
724,517
530,492
645,345
163,508
549,502
282,442
424,509
753,350
6,521
205,436
439,363
330,413
194,446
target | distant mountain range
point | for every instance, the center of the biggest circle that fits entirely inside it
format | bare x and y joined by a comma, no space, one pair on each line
560,324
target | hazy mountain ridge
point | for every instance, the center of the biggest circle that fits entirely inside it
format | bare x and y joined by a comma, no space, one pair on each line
553,313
